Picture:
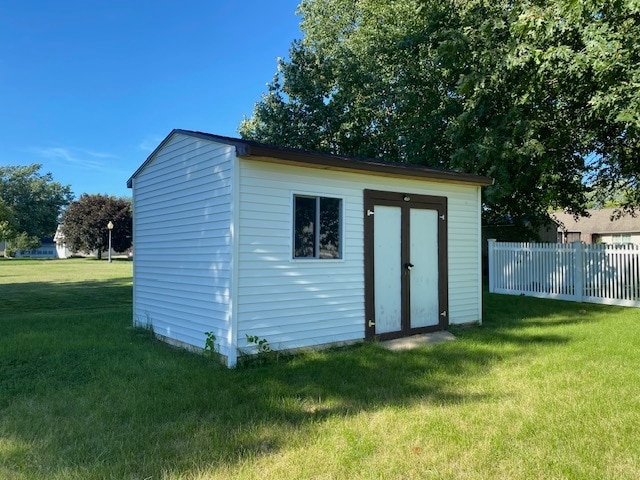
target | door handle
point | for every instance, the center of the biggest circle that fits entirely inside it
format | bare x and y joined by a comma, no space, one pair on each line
408,266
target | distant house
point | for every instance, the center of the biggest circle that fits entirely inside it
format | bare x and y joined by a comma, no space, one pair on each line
50,247
598,227
64,251
47,249
236,238
61,247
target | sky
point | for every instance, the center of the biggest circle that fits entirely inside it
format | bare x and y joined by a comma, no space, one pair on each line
89,88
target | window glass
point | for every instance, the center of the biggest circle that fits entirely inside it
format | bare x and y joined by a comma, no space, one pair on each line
317,227
330,227
573,237
305,231
621,238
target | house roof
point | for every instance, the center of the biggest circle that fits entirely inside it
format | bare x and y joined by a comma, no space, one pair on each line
265,152
598,221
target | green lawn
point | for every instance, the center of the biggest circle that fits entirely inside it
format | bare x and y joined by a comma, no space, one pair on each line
543,390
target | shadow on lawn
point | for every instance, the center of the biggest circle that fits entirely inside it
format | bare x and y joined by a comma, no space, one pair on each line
33,297
515,312
145,409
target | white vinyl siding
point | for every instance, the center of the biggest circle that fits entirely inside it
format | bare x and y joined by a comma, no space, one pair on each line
182,241
213,249
297,304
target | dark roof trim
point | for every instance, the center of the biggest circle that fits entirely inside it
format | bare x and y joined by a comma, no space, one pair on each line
251,149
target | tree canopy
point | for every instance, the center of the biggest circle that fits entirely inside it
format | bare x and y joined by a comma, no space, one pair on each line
84,224
30,205
543,96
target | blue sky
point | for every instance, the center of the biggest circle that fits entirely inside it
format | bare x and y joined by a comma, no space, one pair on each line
89,88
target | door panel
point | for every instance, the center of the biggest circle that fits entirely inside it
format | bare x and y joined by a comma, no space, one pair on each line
405,240
388,269
423,276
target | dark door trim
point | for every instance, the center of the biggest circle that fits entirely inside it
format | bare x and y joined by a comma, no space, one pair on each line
405,201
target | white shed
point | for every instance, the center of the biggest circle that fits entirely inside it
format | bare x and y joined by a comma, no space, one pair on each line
301,249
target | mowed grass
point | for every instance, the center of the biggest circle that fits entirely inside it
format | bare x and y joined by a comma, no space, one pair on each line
543,390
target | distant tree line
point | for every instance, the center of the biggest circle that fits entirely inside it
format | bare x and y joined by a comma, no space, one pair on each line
32,205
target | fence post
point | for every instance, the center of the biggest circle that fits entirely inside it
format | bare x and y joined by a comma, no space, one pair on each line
578,271
492,267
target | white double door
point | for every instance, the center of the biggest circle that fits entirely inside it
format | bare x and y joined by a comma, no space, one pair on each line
407,269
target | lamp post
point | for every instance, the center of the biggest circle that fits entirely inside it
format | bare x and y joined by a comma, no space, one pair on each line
110,227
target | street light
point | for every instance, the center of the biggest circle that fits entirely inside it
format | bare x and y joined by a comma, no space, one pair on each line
110,227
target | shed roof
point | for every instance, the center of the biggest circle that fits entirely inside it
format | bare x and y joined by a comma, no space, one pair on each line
272,153
598,221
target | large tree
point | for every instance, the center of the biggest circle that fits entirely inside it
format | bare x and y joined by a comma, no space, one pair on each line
543,96
584,57
30,205
6,218
84,223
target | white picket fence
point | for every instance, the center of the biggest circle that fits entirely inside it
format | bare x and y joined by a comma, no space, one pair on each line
608,274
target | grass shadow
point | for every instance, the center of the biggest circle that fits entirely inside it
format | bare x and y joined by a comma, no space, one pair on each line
56,297
82,391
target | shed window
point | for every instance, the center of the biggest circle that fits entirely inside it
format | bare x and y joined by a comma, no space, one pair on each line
317,227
